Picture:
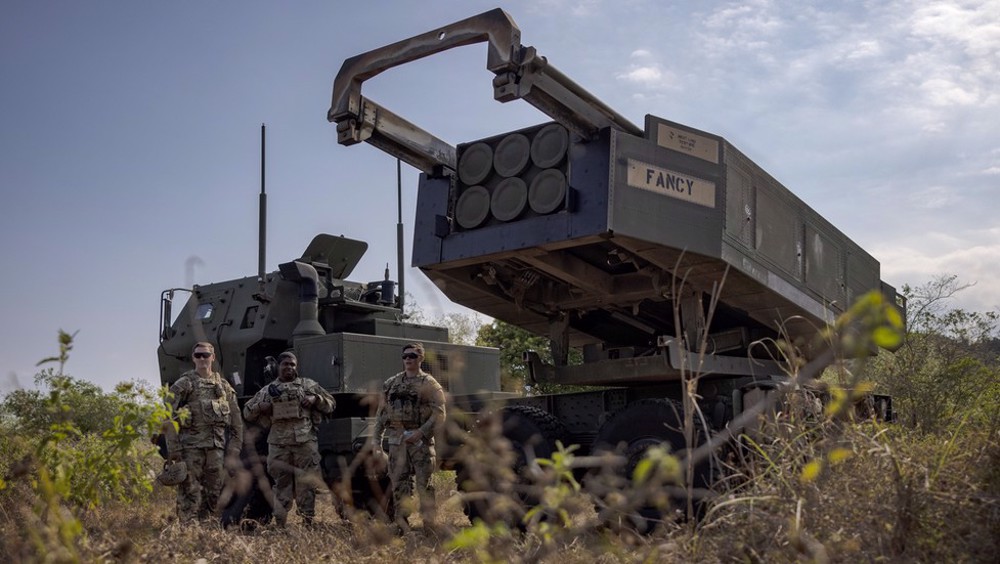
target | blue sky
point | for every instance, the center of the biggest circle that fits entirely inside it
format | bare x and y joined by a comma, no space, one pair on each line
129,146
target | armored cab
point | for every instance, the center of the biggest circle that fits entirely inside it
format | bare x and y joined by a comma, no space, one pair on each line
347,336
345,333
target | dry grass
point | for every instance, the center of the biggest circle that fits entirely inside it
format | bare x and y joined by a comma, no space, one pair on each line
897,497
150,533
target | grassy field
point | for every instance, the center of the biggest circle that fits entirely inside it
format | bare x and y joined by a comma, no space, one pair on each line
813,483
892,496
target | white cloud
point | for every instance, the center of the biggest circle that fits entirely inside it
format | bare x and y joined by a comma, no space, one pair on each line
747,19
738,30
647,73
943,92
933,197
943,60
974,27
576,8
643,75
864,49
924,60
973,255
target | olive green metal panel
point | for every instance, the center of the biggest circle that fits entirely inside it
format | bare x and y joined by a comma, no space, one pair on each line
824,273
664,197
598,258
393,328
778,235
741,213
339,435
228,315
771,235
339,253
354,363
862,274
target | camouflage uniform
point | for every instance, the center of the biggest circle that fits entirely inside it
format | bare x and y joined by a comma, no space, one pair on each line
212,410
409,403
293,452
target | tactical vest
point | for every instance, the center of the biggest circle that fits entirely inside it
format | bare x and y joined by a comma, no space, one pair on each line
206,402
288,403
403,401
290,422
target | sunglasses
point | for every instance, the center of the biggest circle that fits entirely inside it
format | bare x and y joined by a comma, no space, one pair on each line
202,355
410,356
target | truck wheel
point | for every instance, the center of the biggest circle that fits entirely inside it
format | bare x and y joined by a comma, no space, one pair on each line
532,434
631,432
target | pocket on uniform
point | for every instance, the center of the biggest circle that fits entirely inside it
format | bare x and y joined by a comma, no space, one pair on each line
303,433
216,411
221,407
285,410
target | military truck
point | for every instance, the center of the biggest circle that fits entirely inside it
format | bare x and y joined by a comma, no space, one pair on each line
347,336
635,245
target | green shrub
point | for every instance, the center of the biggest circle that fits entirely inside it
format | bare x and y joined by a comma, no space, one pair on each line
72,447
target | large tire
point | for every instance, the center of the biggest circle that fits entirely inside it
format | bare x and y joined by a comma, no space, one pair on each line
532,434
631,432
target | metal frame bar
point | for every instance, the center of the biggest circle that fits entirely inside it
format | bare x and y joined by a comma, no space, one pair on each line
520,73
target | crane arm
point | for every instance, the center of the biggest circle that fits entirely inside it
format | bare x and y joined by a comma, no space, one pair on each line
519,73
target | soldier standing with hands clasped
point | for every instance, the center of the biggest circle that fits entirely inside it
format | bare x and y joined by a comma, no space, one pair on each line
292,407
410,412
207,407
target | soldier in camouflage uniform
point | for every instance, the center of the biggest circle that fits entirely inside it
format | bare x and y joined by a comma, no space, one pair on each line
207,409
292,407
410,412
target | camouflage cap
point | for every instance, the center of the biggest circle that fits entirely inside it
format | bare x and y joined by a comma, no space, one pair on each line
289,355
